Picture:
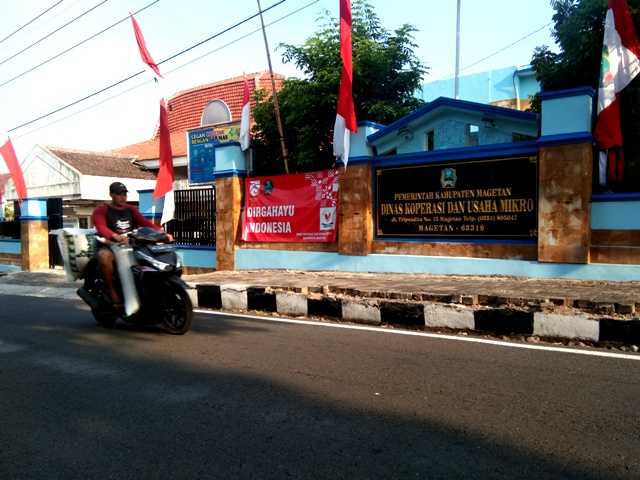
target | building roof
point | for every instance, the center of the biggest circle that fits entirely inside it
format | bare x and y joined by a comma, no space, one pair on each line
441,103
186,107
100,164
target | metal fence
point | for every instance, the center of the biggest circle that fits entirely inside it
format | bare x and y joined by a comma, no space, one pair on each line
10,229
194,220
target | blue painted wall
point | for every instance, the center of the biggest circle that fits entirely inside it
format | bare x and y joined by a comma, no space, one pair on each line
486,87
570,114
615,215
247,259
13,247
200,257
450,131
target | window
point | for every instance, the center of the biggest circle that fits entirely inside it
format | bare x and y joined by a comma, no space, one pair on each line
216,112
430,141
472,135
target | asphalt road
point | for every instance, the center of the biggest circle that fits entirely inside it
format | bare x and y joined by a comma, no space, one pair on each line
239,398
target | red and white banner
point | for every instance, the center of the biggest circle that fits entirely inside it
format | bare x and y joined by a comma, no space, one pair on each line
620,65
345,123
301,207
9,155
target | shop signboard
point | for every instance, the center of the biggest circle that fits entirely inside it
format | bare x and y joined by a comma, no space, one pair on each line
475,199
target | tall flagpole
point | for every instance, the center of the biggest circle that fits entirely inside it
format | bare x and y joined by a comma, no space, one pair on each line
276,104
456,88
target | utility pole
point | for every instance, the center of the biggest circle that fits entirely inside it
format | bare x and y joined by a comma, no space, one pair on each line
276,104
456,88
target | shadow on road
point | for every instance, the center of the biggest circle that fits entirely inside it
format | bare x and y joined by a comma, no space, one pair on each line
110,404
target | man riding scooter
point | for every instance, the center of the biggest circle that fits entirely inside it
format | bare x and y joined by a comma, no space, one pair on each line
114,221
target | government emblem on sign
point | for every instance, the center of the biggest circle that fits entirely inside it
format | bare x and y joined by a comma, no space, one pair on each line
254,188
448,178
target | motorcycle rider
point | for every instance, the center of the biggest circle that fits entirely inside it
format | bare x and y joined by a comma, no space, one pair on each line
113,221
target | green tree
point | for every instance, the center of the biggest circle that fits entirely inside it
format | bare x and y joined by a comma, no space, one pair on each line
387,74
578,31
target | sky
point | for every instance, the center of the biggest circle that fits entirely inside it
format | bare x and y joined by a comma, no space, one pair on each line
128,113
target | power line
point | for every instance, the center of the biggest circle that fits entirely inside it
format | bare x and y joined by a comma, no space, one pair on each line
179,67
31,21
501,49
53,32
104,89
82,42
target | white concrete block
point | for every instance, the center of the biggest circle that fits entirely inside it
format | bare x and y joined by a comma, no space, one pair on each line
234,297
290,303
448,316
193,295
361,312
565,326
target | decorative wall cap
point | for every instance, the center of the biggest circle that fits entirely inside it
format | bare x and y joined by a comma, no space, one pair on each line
444,102
615,197
230,173
570,92
195,247
231,143
565,139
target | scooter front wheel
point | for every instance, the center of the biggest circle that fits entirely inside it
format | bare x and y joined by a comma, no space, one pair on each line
177,309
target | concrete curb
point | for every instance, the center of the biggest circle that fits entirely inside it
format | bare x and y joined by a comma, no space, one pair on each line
432,313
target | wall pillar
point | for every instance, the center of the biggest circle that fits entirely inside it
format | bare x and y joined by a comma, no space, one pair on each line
564,214
355,232
565,176
34,234
230,170
229,191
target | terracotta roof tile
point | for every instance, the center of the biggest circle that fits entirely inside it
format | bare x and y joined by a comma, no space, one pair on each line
186,107
100,164
149,150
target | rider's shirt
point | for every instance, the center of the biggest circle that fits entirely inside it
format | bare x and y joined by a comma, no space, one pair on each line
120,221
110,221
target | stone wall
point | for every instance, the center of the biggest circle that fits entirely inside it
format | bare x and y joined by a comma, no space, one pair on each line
10,259
355,229
564,215
229,193
35,250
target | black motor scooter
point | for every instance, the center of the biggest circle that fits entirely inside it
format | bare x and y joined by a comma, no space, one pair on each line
162,297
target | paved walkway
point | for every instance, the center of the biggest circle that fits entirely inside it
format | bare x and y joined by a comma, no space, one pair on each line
383,284
392,285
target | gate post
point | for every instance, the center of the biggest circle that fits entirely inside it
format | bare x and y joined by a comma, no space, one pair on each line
566,176
34,234
230,171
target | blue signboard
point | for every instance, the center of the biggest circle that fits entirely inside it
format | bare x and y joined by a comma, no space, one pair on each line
201,150
201,154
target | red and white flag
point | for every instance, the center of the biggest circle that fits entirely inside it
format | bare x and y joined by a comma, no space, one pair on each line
9,155
164,180
620,65
346,117
245,119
